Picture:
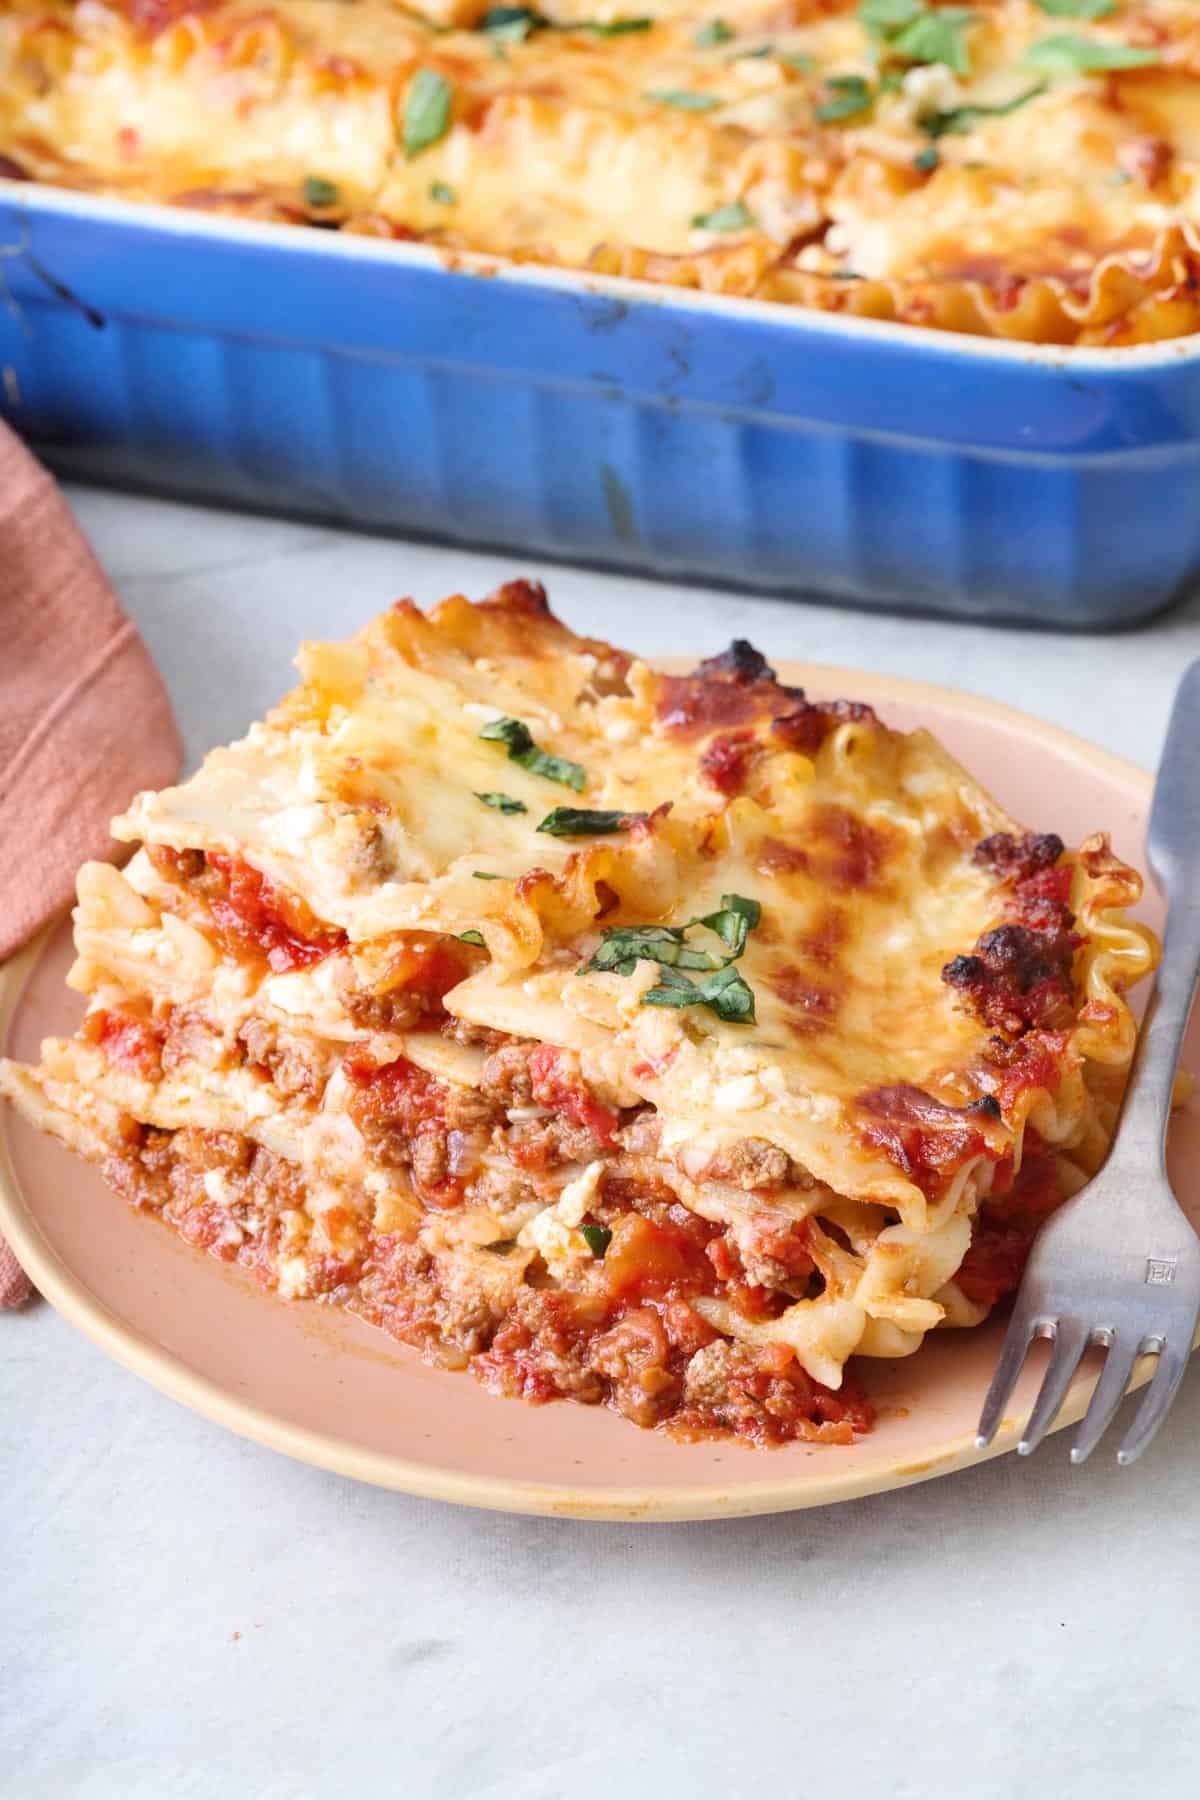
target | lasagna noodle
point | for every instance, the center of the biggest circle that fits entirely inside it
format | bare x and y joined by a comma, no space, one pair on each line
293,1056
792,156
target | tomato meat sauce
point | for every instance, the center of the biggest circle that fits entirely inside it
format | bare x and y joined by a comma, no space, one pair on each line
253,911
403,1114
129,1041
556,1086
1007,1223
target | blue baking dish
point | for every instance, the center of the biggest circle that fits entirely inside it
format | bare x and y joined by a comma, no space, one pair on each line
674,433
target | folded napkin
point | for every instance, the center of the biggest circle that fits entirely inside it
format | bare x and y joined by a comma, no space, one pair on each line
84,717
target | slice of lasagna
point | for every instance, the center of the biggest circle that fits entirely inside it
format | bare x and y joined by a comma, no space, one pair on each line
666,1040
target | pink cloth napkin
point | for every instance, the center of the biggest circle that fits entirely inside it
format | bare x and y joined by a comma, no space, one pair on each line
84,717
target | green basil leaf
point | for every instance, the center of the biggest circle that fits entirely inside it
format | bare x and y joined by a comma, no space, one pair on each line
926,160
513,732
614,27
1077,9
445,196
484,875
723,992
697,959
576,821
937,38
848,95
883,17
750,910
624,945
522,749
963,118
471,937
1070,55
673,989
511,24
426,111
555,768
501,1246
803,65
503,803
729,996
733,923
319,192
715,32
597,1237
736,217
685,101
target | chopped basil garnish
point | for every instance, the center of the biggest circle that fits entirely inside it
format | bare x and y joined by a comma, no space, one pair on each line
939,37
522,749
926,160
722,989
426,111
511,24
502,1246
715,32
576,821
881,17
685,101
803,65
483,875
613,27
736,217
319,192
723,992
914,32
734,923
445,196
848,95
1070,55
1077,9
503,803
597,1237
759,50
625,945
471,937
963,118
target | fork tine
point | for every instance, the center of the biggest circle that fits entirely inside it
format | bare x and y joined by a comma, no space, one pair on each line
1013,1352
1070,1342
1157,1403
1110,1391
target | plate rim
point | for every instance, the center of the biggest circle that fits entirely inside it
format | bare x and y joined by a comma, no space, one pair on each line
69,1295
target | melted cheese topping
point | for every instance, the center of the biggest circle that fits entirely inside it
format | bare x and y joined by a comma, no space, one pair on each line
1029,190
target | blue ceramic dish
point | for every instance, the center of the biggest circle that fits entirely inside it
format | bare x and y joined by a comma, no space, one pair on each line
642,427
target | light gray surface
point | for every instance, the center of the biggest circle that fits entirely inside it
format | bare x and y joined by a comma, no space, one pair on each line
186,1615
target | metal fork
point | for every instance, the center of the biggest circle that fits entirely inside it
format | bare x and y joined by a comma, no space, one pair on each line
1119,1264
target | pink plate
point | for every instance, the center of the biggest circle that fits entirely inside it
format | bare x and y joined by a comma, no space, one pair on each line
326,1389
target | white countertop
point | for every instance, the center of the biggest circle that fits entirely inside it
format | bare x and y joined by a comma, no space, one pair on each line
184,1614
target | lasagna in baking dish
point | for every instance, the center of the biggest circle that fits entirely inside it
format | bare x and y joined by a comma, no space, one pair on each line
674,1041
1022,168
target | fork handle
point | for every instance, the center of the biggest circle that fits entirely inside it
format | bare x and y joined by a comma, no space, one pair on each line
1173,844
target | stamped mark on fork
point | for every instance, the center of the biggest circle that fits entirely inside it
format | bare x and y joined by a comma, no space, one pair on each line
1160,1271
